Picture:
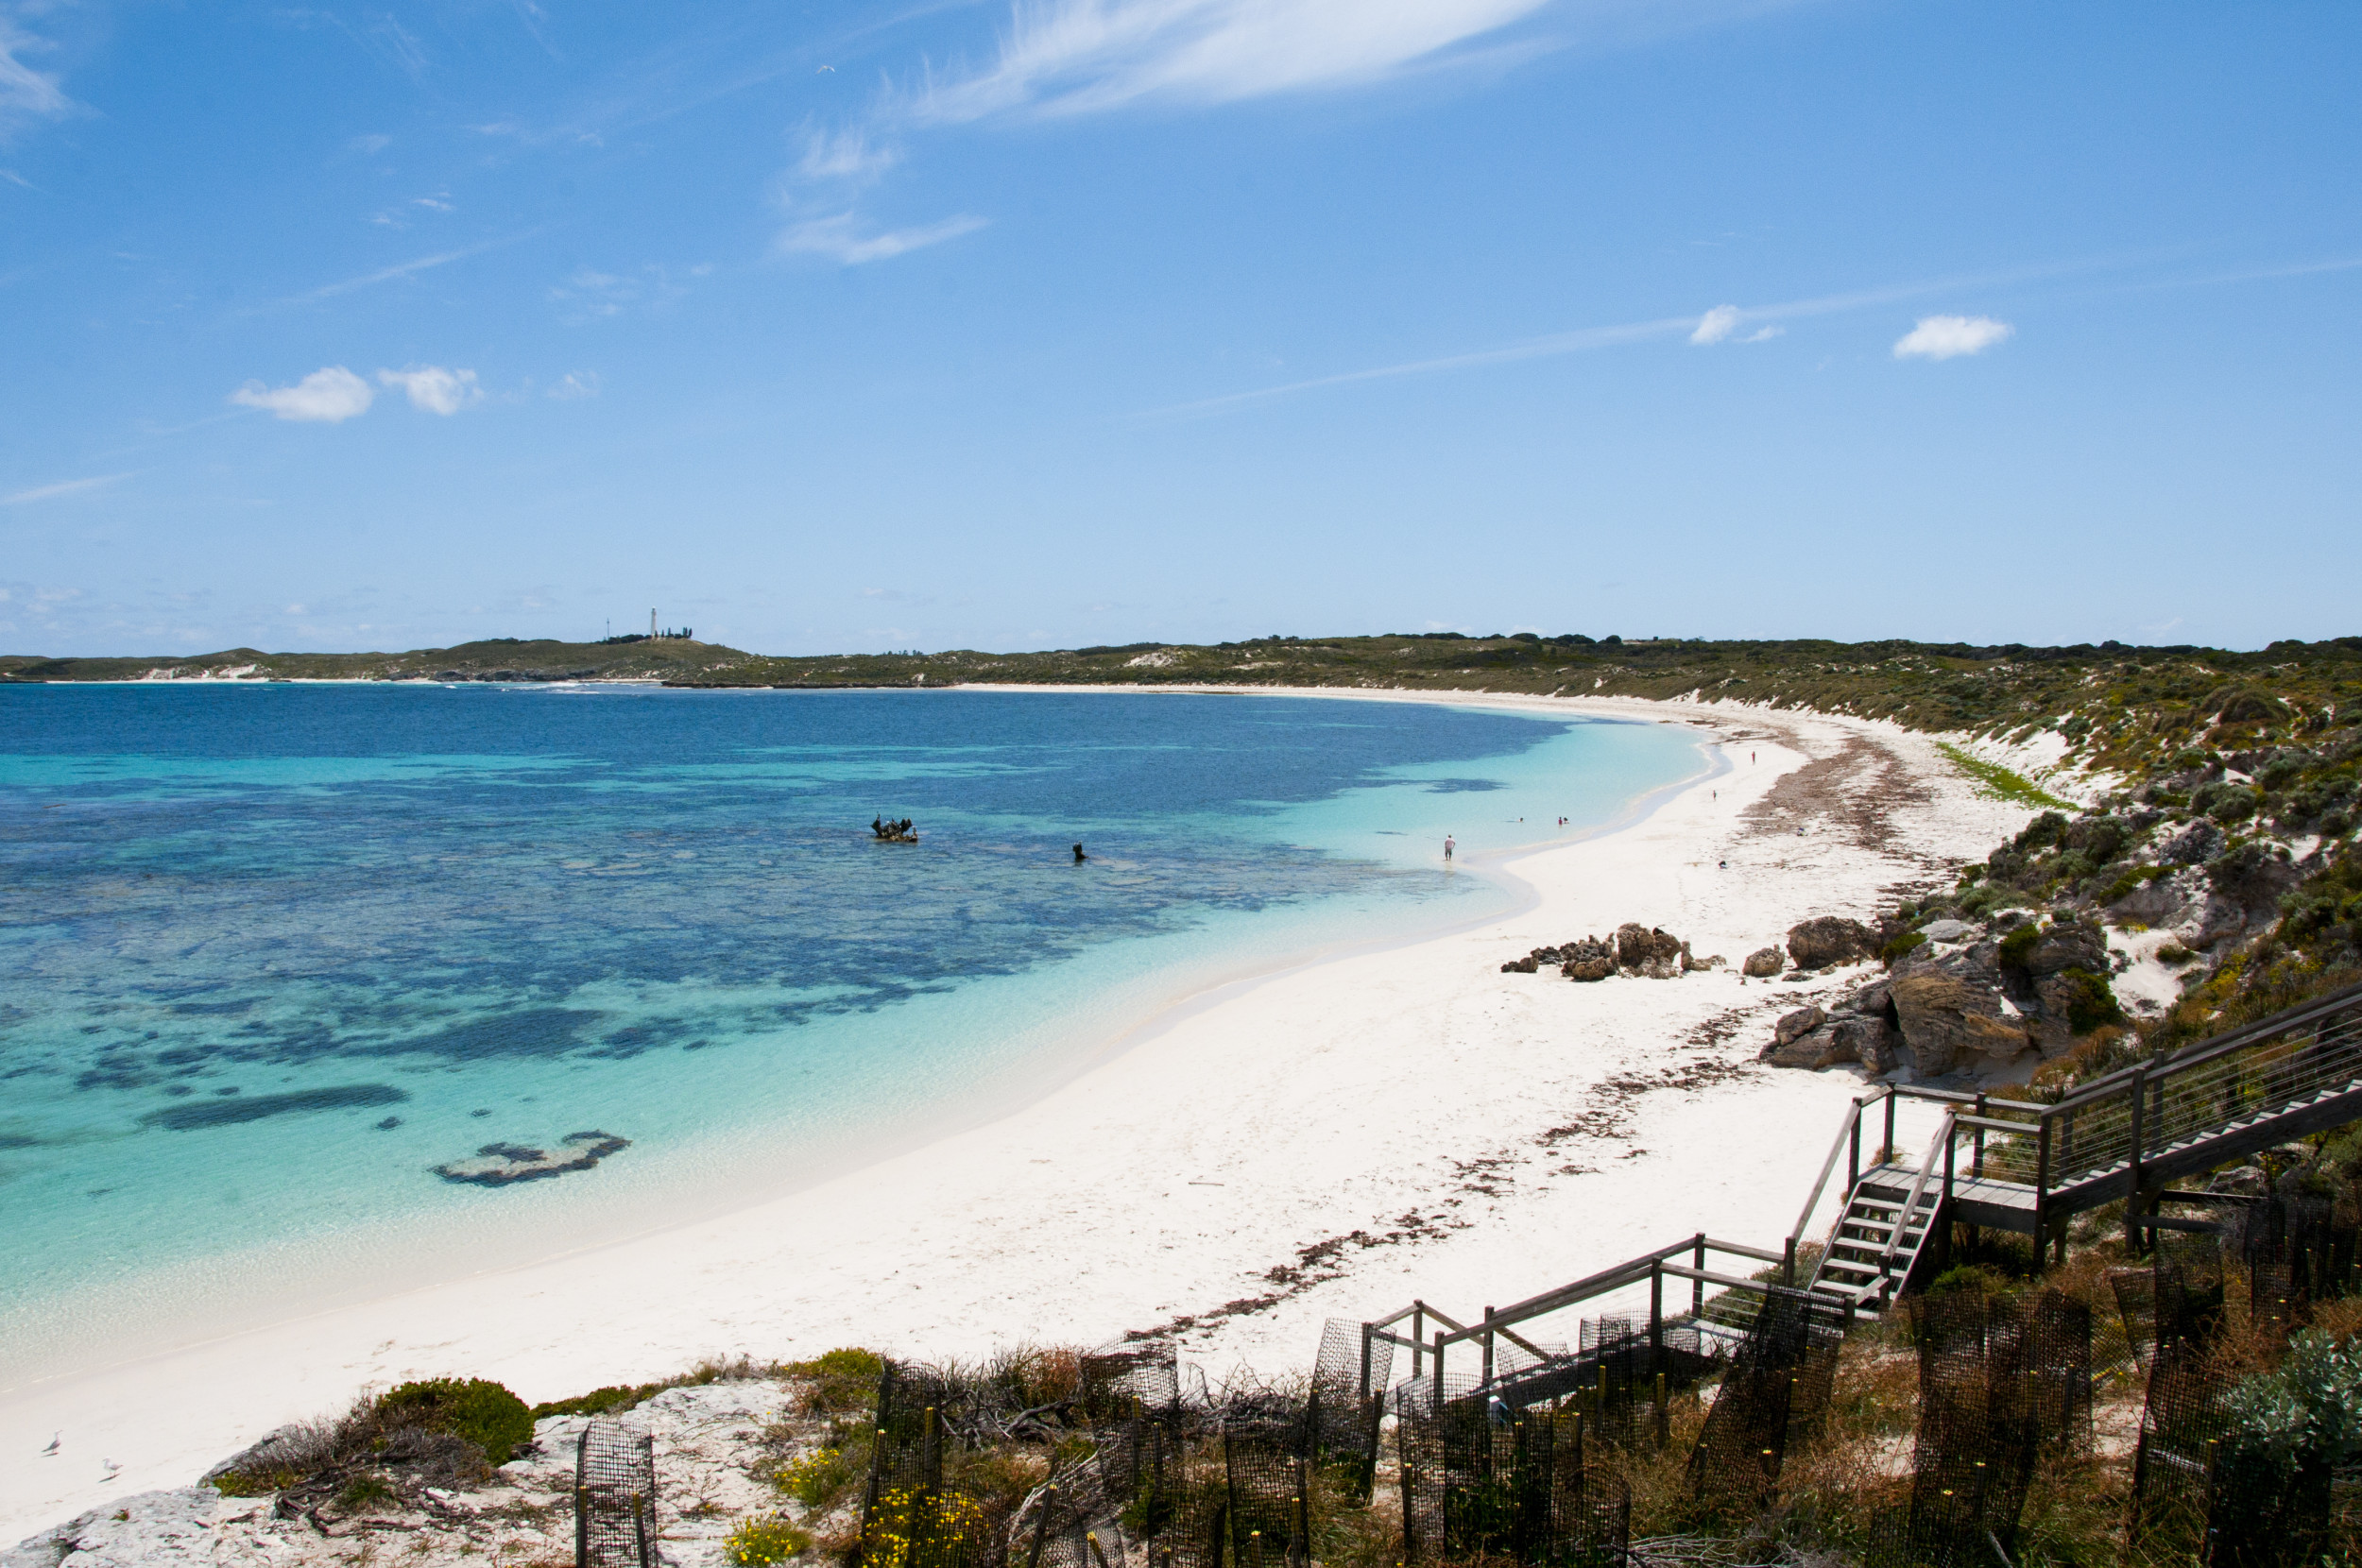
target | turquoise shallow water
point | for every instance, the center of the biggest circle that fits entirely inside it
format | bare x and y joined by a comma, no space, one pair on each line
269,955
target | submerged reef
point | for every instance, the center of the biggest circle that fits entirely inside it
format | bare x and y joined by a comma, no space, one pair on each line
497,1164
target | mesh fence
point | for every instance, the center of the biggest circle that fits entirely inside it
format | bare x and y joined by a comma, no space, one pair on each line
2000,1378
1126,1380
1776,1388
614,1497
1347,1402
1480,1481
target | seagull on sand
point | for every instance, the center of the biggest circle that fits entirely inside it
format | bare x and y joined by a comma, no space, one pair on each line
52,1444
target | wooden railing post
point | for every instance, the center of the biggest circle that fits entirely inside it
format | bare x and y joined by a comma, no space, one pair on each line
1418,1338
2132,1164
1487,1320
1887,1151
1656,1320
1365,1360
1853,1153
2042,1191
1698,1287
1439,1374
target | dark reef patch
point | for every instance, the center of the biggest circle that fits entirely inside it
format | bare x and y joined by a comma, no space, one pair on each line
499,1165
543,1031
1462,786
221,1113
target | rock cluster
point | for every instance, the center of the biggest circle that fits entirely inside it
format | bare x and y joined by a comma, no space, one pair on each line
1650,952
1988,1002
499,1165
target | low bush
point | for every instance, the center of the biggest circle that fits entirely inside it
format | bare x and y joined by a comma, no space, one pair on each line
473,1409
601,1402
838,1382
765,1538
818,1478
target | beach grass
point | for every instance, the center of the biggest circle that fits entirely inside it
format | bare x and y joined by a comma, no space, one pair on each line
1999,783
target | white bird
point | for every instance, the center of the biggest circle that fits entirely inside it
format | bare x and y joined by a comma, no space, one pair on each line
52,1444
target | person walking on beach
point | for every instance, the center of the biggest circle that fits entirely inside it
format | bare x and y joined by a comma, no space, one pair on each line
1447,848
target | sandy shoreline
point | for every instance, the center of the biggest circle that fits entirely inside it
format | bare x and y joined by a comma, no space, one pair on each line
1329,1140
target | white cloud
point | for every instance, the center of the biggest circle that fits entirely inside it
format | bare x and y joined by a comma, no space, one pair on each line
1716,325
842,238
577,385
369,145
1079,56
436,389
25,93
436,204
329,396
846,155
64,487
1950,337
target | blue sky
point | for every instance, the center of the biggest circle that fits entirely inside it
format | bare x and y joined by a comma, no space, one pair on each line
861,327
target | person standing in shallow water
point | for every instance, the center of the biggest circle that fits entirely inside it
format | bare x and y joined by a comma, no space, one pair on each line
1447,846
1079,856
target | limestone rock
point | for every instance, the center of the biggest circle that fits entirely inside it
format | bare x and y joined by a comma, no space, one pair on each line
1829,939
1812,1051
2068,946
1641,950
1870,1040
1797,1023
1945,1021
2167,901
1763,963
1946,930
2255,877
2200,842
156,1529
1520,966
1587,959
1692,964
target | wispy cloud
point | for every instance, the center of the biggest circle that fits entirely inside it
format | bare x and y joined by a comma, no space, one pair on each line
328,395
64,487
845,155
1951,336
847,240
435,389
25,93
1716,325
575,384
1067,57
589,295
392,274
1719,324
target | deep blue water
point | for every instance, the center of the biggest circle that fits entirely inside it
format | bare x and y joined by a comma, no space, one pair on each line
272,954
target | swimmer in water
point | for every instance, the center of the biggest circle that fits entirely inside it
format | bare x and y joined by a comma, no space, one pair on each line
1079,856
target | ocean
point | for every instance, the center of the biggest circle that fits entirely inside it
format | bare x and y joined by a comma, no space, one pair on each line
305,989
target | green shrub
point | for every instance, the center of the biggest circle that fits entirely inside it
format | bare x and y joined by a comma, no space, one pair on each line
2134,880
2226,802
600,1402
840,1381
765,1538
254,1483
2090,1002
1968,1276
481,1412
1892,952
362,1491
2018,945
819,1477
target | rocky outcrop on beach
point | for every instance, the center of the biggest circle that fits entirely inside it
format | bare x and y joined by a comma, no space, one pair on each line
1649,952
499,1165
1763,963
1827,940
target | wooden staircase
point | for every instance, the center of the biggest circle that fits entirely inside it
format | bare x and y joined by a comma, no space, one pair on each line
1875,1246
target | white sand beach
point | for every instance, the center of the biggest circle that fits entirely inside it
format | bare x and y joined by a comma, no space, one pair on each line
1327,1140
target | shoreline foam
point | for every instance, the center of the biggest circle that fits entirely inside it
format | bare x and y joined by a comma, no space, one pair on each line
1336,1137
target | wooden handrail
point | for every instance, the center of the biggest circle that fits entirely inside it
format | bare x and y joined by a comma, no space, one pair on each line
1836,1147
1942,1142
